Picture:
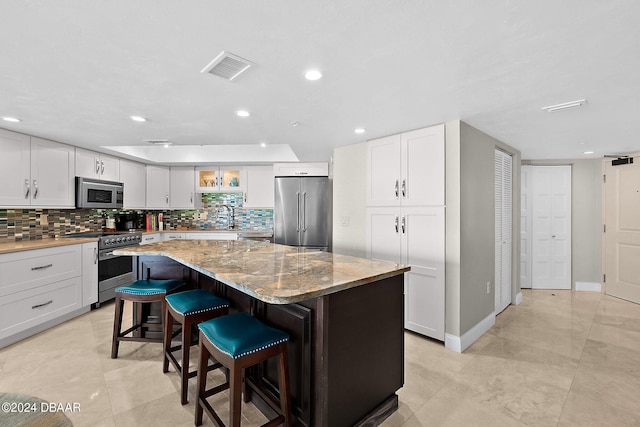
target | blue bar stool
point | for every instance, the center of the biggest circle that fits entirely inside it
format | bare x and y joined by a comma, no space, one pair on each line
138,292
239,341
188,308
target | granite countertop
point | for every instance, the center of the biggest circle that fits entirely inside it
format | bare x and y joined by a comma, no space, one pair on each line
28,245
240,232
272,273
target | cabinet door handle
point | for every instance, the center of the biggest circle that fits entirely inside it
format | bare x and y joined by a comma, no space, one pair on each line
41,305
403,224
245,197
404,188
396,223
191,198
35,184
97,166
26,183
101,167
41,267
397,189
95,256
167,197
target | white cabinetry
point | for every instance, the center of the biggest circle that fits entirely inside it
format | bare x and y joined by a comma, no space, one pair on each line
211,236
133,176
301,169
89,273
38,289
406,219
172,235
158,187
151,238
35,172
217,179
260,190
182,188
407,168
90,164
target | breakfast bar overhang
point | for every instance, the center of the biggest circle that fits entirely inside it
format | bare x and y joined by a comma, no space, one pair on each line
345,316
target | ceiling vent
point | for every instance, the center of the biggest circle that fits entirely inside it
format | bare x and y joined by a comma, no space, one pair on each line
227,65
164,142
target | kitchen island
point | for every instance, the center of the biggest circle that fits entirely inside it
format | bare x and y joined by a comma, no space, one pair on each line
345,316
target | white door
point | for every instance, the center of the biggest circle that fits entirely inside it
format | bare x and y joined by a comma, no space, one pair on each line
551,227
525,227
182,188
422,235
503,228
158,181
383,233
133,176
622,236
383,164
15,169
53,168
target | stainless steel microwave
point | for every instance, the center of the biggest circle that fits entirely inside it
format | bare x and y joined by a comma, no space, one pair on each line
96,194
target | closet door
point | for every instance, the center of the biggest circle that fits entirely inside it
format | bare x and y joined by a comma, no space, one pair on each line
503,229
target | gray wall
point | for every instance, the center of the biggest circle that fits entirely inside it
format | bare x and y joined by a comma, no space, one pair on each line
471,226
586,217
350,200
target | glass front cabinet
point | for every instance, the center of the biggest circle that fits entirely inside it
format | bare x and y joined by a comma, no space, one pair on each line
217,179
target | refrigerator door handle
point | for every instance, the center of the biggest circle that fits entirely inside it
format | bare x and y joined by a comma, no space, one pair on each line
298,210
304,211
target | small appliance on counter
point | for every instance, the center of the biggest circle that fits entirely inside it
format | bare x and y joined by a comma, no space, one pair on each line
129,221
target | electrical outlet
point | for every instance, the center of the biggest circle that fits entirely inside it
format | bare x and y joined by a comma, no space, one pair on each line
488,287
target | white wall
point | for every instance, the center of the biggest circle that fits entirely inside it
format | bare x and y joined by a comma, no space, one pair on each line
350,200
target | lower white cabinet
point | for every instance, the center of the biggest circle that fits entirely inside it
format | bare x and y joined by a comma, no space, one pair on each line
172,235
218,235
38,288
151,238
414,236
89,273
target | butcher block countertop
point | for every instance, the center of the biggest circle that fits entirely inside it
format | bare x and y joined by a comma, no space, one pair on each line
272,273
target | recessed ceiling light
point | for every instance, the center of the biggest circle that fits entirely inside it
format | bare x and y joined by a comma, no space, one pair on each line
312,75
294,124
138,118
359,130
588,152
242,113
264,144
11,119
565,105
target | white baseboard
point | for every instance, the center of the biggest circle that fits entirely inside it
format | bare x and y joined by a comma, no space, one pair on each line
588,286
460,344
519,298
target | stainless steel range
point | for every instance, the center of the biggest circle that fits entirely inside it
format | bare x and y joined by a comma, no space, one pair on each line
113,270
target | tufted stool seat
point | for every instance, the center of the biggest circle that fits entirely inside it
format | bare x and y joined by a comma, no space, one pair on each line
239,341
140,291
188,308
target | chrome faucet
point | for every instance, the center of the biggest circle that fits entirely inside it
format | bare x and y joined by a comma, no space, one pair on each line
230,218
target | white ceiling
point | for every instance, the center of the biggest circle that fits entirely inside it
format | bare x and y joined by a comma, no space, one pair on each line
74,71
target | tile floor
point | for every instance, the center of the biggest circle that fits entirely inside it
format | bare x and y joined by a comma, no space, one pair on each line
561,358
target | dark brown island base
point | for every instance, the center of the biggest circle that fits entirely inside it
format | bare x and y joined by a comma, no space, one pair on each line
344,315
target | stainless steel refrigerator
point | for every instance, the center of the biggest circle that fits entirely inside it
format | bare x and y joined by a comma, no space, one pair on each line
302,212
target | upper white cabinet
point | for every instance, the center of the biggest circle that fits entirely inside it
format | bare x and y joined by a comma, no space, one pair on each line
133,176
158,187
407,169
90,164
259,192
301,169
217,179
36,172
182,188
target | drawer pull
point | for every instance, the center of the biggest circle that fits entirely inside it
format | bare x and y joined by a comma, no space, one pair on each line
42,305
42,267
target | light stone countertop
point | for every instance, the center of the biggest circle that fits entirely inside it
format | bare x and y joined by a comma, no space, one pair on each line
275,274
28,245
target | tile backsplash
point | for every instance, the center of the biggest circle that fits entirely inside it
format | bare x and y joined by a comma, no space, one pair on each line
33,224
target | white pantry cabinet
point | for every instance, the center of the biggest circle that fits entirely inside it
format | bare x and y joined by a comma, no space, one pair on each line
182,188
260,189
36,172
220,179
90,164
414,236
158,187
133,176
407,169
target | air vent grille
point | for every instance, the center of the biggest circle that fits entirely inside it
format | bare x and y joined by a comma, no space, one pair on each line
227,65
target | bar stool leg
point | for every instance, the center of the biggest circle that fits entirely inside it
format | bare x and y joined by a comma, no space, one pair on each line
235,396
202,382
168,332
184,369
117,326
